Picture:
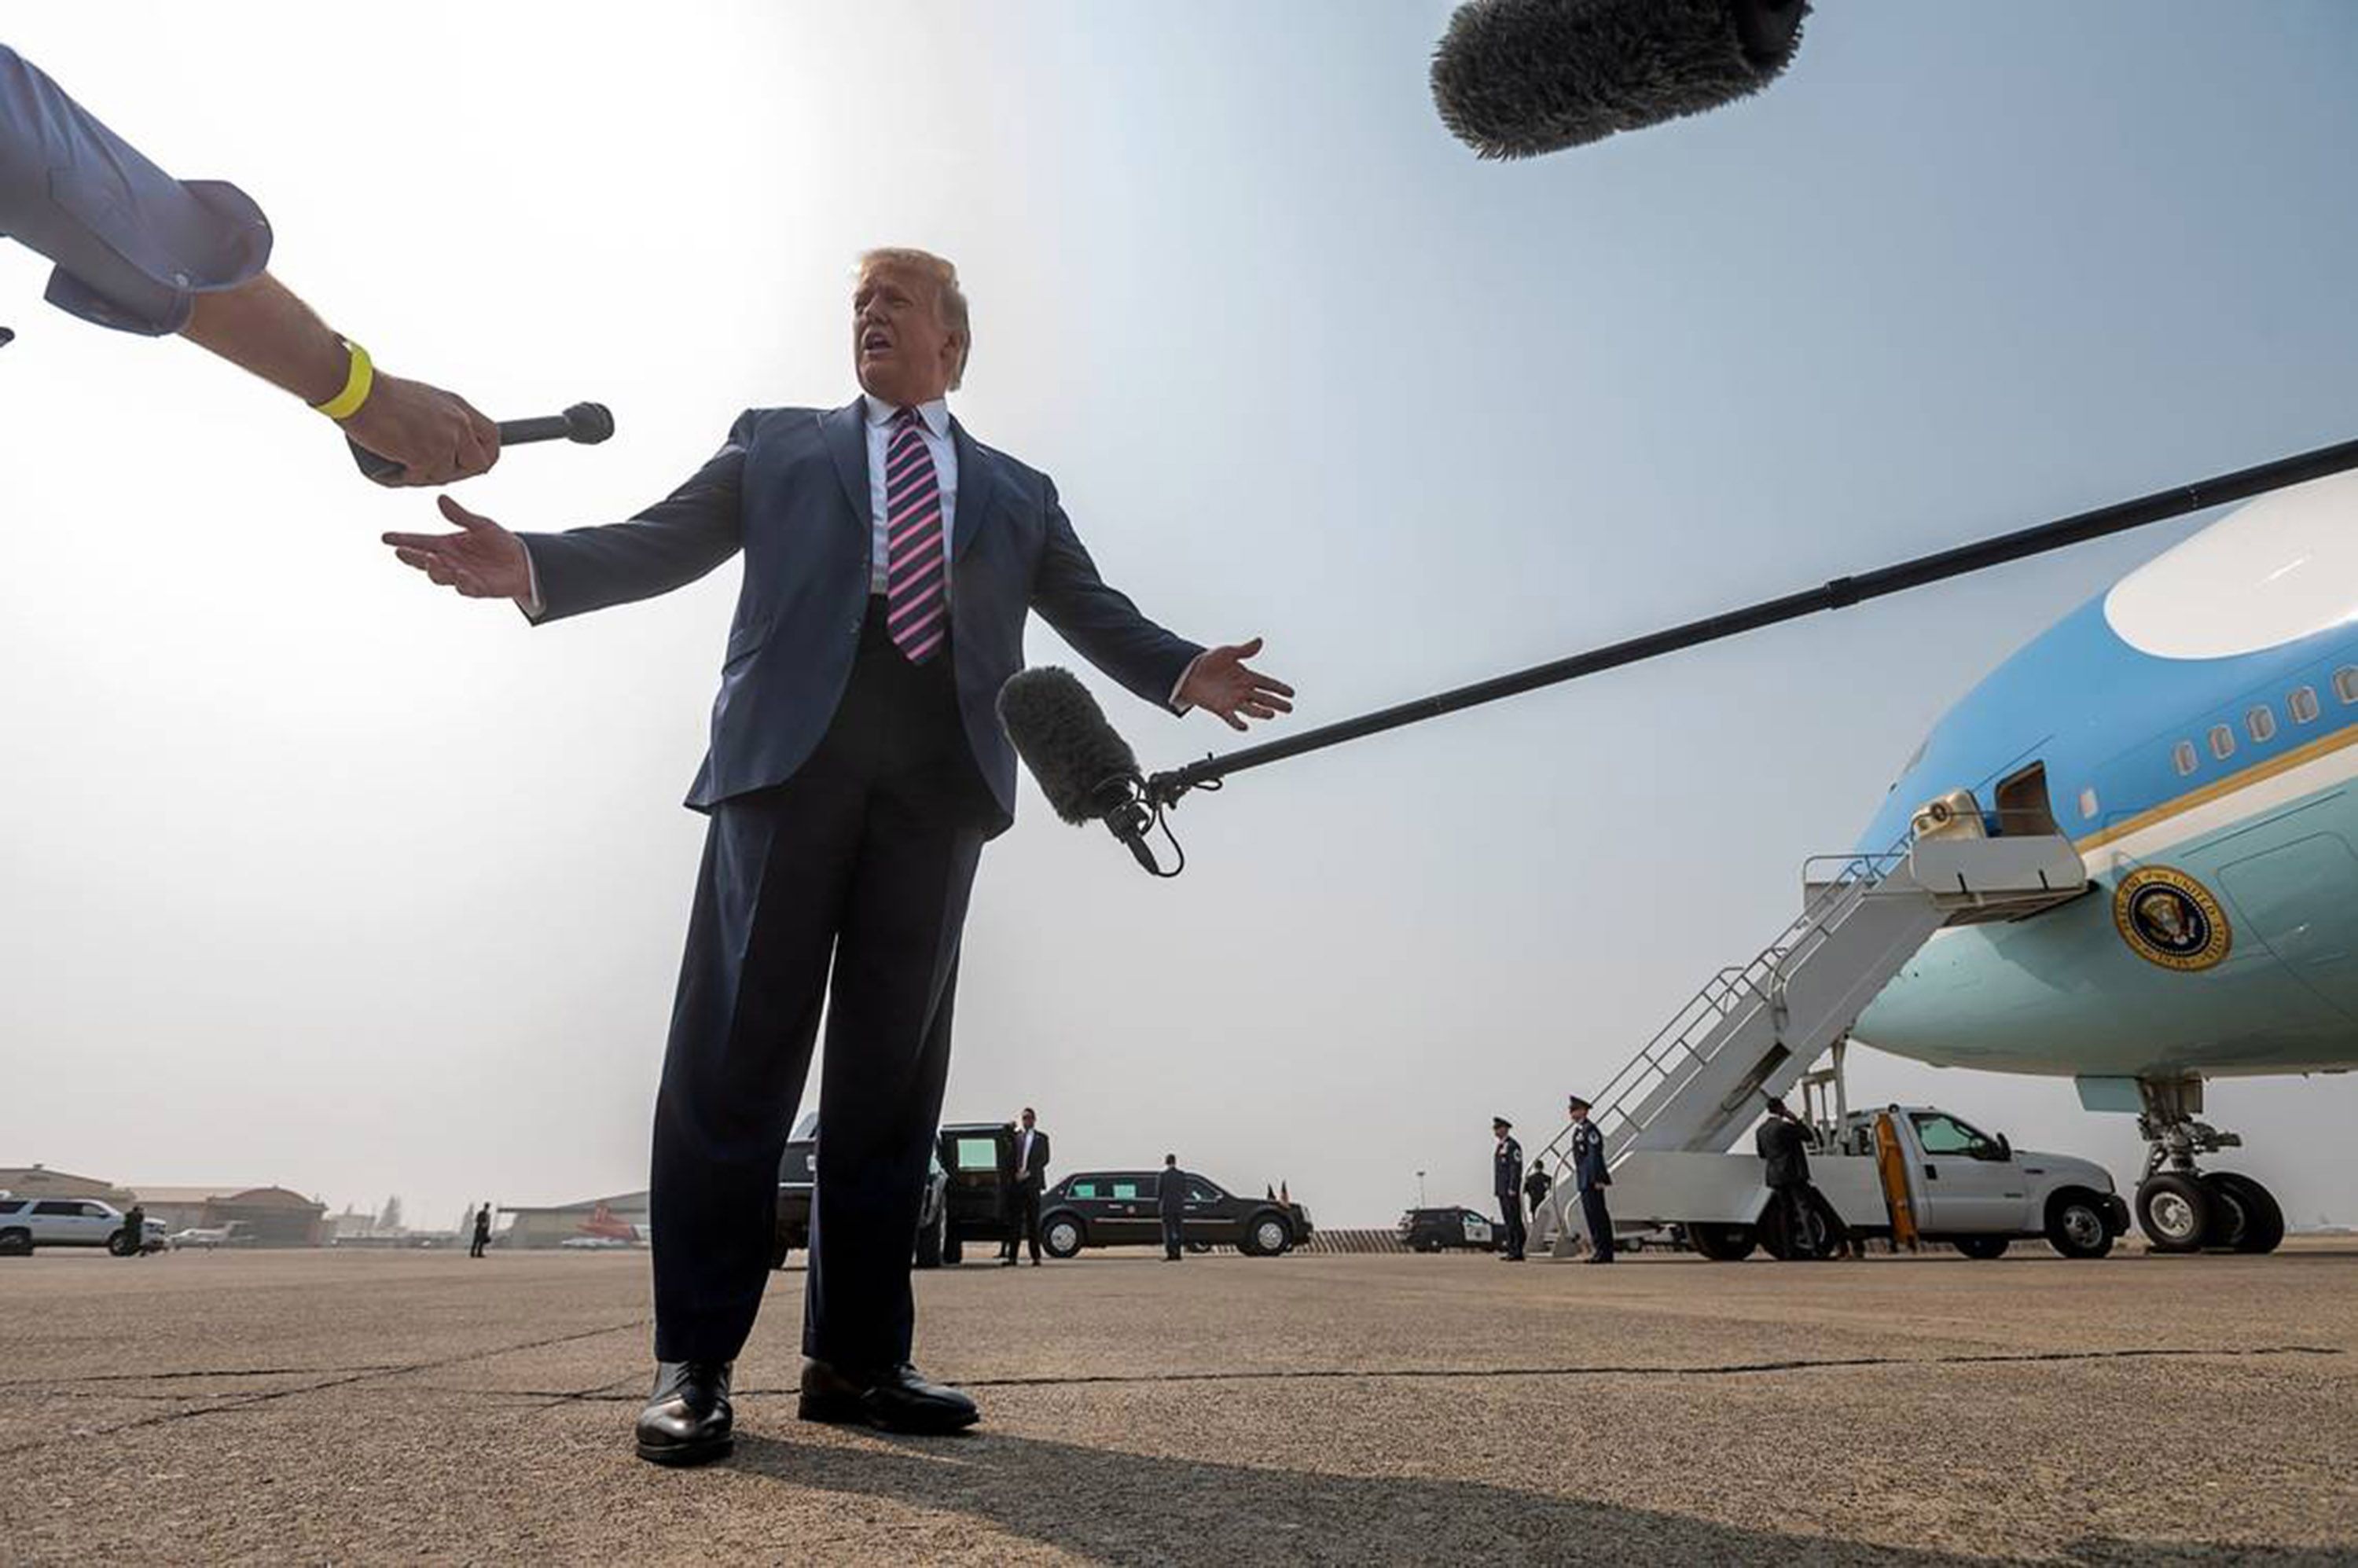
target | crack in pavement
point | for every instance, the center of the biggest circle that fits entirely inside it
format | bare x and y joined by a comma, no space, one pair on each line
194,1372
265,1395
599,1395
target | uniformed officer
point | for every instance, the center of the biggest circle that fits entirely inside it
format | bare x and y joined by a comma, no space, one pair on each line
1589,1179
141,251
1506,1183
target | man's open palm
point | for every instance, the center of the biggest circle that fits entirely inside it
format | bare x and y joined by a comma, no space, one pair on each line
482,560
1220,682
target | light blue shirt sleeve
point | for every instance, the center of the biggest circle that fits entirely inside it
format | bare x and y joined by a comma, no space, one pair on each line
133,246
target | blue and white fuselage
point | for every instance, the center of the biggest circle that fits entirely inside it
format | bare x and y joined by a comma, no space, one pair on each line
2194,732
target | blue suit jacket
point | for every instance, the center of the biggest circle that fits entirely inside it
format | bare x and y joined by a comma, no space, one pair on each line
790,489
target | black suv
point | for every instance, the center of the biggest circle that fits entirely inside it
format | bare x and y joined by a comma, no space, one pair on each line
1438,1229
1120,1208
798,1171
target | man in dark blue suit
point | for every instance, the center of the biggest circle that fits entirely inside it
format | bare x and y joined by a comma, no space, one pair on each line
856,768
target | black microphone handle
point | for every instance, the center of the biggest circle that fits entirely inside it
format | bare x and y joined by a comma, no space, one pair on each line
546,427
598,425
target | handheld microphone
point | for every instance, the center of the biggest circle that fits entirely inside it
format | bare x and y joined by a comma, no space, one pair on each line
1517,78
1088,771
586,423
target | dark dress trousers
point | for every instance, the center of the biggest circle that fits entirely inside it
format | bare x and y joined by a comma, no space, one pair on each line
1024,1178
1589,1179
850,793
1507,1186
1171,1202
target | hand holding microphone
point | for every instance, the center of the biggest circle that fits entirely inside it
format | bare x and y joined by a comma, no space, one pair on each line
445,440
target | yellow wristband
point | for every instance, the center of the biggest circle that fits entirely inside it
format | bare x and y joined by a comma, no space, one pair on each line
357,387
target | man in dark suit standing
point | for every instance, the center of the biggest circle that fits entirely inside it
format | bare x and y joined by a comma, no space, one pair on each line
1024,1178
1536,1187
1171,1202
1589,1179
482,1232
1507,1186
856,768
1783,1142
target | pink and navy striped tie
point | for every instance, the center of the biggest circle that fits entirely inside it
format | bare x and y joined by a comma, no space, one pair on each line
915,612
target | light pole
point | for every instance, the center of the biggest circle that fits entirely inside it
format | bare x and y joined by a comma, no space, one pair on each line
1420,1189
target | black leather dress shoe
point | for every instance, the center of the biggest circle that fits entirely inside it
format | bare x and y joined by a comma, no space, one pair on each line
896,1400
687,1420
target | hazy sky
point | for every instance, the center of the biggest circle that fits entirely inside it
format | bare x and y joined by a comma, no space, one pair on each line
311,874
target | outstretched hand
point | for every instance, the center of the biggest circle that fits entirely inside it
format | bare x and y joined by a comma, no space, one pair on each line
1220,682
482,560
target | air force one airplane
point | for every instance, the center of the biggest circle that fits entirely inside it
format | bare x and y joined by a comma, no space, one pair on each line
2193,732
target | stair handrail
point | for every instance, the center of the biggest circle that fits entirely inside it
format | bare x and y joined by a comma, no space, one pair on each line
1732,987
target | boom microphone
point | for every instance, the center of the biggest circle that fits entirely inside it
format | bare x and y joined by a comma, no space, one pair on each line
1088,771
586,423
1519,78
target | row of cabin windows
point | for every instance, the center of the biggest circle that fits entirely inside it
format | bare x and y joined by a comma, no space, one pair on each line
2260,724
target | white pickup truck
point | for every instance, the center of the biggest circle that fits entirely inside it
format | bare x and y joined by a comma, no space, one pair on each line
1955,1183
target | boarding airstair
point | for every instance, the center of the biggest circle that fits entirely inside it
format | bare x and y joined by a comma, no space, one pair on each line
1756,1029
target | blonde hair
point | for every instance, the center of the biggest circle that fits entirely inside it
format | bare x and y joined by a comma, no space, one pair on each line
949,300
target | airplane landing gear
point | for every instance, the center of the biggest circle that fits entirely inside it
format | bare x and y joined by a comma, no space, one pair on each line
2182,1208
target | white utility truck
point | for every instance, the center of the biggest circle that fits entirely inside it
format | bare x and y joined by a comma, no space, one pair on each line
1901,1168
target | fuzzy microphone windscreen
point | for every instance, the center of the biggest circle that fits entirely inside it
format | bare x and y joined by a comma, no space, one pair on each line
1519,78
1063,737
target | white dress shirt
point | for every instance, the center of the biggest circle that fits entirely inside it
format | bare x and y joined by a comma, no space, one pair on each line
934,420
1024,1153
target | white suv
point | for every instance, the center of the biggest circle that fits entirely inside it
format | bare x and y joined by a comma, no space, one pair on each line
27,1223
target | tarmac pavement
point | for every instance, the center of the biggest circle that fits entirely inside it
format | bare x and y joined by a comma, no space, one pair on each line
405,1406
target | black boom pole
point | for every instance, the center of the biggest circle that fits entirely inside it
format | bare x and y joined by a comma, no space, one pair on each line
1164,788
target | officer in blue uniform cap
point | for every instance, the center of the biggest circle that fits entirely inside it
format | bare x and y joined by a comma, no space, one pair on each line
1589,1179
1507,1184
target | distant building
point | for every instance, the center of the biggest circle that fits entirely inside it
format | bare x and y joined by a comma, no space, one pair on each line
40,1182
622,1218
266,1216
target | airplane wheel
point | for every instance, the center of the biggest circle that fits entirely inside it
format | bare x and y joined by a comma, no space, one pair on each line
2256,1223
2174,1211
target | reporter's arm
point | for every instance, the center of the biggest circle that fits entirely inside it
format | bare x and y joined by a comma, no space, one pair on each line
437,437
